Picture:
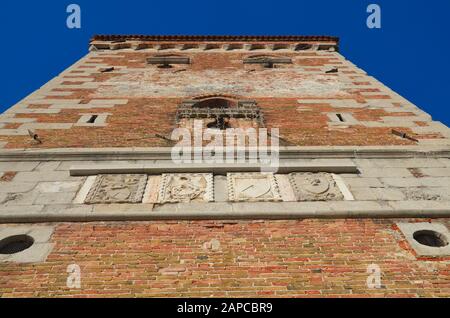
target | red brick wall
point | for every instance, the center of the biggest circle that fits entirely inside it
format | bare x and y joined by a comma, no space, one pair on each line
135,123
306,258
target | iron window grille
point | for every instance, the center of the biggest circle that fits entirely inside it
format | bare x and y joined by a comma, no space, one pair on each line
248,110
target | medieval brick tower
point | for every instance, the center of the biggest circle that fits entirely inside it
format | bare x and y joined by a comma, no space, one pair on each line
359,204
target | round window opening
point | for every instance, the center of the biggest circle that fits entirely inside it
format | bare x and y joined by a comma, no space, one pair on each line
15,244
430,238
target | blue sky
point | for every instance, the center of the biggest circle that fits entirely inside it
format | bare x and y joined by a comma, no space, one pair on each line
409,53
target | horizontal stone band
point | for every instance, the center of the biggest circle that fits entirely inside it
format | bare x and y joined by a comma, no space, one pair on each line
88,170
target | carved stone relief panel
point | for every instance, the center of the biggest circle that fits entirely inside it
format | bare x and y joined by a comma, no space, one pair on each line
253,187
117,188
315,187
186,187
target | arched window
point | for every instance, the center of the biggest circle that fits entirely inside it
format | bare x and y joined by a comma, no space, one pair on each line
220,112
215,102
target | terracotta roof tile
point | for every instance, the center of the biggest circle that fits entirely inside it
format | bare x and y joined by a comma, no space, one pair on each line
218,38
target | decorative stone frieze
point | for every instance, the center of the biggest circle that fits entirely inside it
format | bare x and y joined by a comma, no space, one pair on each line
286,191
186,187
253,187
118,188
315,187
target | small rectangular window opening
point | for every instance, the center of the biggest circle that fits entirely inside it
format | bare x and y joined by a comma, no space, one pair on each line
166,62
92,119
341,119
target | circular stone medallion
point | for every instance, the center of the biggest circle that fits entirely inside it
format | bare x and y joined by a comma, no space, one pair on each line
314,184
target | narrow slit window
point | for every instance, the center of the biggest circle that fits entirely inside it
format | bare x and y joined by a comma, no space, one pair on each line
267,61
341,119
92,119
168,61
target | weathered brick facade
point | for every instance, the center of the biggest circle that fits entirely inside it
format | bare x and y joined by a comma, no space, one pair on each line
142,99
113,112
255,258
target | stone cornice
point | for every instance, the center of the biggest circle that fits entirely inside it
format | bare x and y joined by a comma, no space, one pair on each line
164,153
208,42
228,211
224,168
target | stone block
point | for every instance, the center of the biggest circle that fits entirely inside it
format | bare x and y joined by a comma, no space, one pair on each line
401,182
18,166
52,198
428,194
13,132
409,163
152,189
67,209
40,176
200,208
364,194
46,126
26,198
363,182
388,194
383,172
6,231
13,120
121,209
20,209
58,186
421,206
84,190
16,187
435,181
436,172
340,183
41,234
47,166
66,165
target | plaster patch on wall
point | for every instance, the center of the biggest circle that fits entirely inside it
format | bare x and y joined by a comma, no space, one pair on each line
279,82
